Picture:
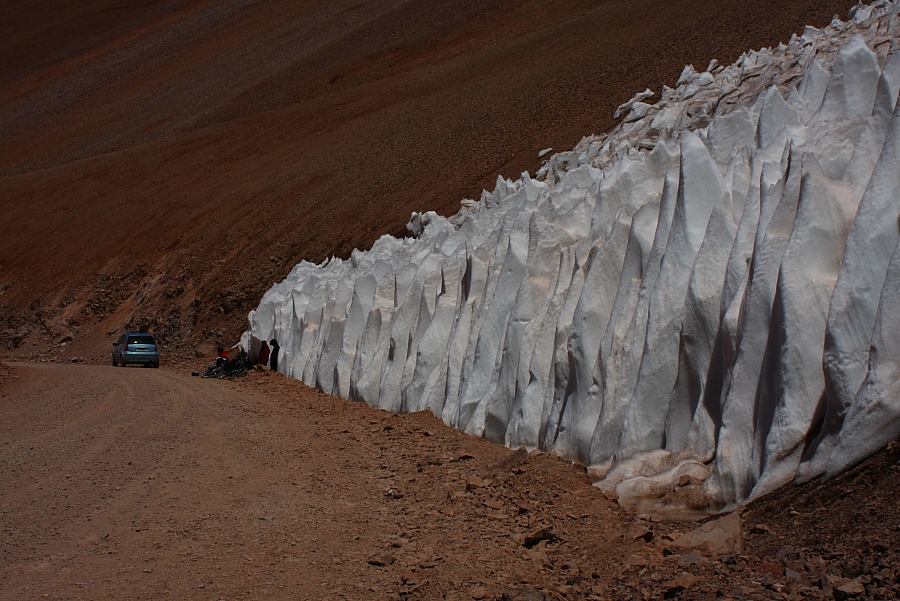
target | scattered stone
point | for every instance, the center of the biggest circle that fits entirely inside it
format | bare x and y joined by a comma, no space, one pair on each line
689,560
547,534
381,559
524,506
759,529
525,594
851,589
787,553
716,537
476,482
429,460
770,584
479,592
537,553
494,503
683,582
638,531
636,560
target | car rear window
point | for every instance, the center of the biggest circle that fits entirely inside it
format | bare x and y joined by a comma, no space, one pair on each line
141,340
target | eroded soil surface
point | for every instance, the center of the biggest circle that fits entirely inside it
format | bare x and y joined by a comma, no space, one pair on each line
130,483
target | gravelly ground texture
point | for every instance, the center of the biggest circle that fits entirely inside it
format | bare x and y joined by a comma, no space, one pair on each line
165,162
130,483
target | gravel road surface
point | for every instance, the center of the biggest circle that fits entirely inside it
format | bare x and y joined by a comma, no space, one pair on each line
131,483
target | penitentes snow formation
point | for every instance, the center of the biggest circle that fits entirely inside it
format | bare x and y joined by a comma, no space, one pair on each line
702,304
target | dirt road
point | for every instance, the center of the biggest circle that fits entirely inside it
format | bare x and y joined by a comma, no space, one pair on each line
149,484
137,483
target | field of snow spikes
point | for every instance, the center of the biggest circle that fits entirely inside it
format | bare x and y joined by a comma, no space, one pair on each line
702,304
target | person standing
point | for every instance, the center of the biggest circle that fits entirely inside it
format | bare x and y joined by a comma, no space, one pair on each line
264,353
273,361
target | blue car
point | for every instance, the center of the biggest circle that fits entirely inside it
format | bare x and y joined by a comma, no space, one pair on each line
135,347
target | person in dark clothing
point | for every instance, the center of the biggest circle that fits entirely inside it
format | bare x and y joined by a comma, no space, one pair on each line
273,360
264,353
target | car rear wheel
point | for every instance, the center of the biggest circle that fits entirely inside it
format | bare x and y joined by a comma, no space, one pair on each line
115,363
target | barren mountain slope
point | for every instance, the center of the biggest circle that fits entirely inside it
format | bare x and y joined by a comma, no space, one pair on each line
168,162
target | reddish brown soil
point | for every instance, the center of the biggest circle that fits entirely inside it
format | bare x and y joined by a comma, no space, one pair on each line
166,162
130,483
136,483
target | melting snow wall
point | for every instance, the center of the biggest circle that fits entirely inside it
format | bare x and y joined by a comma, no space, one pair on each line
702,304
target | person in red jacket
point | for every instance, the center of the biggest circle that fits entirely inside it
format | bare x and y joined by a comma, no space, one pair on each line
221,358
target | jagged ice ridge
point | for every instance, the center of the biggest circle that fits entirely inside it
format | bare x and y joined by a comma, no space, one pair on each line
702,304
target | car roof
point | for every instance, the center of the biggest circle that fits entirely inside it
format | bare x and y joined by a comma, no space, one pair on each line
138,334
